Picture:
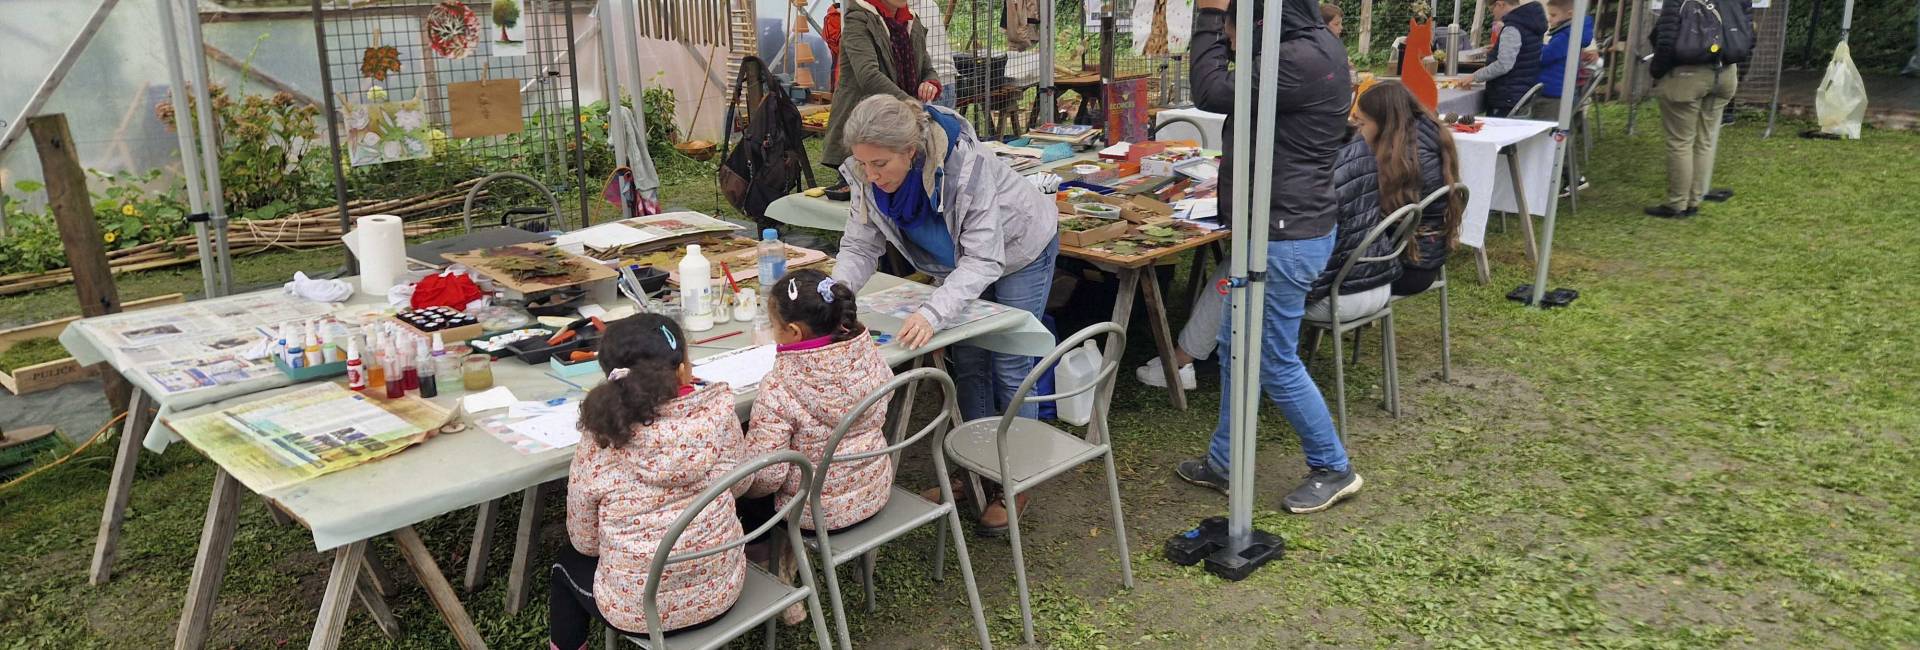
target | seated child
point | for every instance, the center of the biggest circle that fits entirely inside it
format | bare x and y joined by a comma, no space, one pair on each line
825,365
653,442
1553,57
1513,65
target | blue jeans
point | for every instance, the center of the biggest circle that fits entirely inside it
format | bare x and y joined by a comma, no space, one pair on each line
1291,269
976,370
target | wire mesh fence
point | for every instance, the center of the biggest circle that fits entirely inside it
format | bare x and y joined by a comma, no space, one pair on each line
424,95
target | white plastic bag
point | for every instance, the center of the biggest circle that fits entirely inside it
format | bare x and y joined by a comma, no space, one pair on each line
1841,101
1080,368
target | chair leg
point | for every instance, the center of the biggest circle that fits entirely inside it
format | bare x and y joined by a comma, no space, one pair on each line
1119,522
1446,334
833,597
1340,381
1311,345
1019,563
611,638
1390,349
770,635
867,565
951,524
940,548
1356,346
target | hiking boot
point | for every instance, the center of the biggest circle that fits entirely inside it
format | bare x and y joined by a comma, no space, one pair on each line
1322,489
1666,212
1719,195
993,522
960,492
1200,472
1152,374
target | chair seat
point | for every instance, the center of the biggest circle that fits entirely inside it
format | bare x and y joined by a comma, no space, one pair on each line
1349,325
763,597
1438,283
904,512
1039,451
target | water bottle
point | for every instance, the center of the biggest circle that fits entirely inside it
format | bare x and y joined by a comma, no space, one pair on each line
773,257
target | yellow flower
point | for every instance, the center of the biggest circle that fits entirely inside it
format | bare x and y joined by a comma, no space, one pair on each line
111,236
128,209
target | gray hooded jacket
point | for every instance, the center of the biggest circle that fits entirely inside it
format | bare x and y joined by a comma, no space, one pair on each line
999,221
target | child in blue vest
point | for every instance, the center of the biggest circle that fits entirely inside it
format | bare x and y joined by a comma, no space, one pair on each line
1514,64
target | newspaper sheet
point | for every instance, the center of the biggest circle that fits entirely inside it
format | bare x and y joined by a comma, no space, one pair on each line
200,344
277,441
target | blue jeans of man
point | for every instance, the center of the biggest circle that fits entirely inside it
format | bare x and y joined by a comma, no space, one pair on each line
986,380
1291,269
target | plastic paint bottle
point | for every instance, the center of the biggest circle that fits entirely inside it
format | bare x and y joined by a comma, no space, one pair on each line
429,380
696,287
356,373
395,384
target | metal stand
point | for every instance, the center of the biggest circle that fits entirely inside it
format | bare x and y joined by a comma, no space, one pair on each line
1567,101
216,263
1232,549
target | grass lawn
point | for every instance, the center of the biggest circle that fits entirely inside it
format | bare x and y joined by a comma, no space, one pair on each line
1713,447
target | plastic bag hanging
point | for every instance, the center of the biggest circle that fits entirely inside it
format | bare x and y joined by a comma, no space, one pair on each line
1841,101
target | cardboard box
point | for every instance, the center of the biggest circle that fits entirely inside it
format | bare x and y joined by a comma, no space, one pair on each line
59,372
1115,229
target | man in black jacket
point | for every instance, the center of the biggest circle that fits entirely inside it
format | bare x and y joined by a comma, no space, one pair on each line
1314,93
1694,89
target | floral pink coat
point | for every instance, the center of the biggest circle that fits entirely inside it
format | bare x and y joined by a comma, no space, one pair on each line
801,401
621,501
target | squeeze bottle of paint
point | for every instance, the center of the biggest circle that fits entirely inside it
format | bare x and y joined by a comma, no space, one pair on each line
696,285
356,373
310,344
429,381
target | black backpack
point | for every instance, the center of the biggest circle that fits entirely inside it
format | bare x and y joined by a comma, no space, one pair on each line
770,160
1705,34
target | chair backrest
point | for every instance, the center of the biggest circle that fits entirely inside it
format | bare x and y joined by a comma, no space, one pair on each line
1524,107
1199,132
936,429
790,514
1103,381
1397,227
473,194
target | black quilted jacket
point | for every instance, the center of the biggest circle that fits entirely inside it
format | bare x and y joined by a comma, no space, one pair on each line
1431,236
1356,186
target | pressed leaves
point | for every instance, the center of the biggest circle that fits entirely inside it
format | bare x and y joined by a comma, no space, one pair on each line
379,61
452,29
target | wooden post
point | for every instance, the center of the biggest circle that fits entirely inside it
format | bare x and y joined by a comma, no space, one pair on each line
1365,44
79,233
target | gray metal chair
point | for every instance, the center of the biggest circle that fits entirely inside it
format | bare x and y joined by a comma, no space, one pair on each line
905,510
1523,109
764,597
1446,319
1397,228
1019,453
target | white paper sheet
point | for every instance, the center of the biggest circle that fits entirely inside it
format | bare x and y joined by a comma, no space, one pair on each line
611,235
498,397
740,368
537,409
558,429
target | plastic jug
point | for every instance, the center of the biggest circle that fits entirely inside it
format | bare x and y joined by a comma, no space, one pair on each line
1079,369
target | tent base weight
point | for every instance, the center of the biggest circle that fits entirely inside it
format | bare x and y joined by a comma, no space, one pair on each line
1208,543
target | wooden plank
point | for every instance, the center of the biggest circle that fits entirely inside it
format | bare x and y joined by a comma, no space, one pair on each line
1163,339
1151,257
210,564
72,208
519,576
486,520
375,602
438,589
106,545
338,597
1123,312
382,579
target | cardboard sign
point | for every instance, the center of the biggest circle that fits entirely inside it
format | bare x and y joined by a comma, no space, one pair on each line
484,108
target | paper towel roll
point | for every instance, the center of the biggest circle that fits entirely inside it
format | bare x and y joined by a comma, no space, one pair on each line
379,241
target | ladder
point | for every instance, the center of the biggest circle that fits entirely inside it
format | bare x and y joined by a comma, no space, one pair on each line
743,41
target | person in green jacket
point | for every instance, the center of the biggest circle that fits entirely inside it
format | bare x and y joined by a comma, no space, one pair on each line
883,51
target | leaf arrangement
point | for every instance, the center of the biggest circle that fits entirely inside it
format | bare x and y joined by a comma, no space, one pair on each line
528,265
378,62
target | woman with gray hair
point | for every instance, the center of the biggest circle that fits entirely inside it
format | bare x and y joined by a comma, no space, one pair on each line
921,180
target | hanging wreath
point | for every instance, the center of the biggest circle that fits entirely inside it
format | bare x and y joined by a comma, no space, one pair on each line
379,61
452,29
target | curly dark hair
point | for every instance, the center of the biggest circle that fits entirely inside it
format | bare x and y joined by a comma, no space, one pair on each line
796,299
650,348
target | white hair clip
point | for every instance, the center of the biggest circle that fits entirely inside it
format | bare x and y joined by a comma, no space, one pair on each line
671,343
793,289
617,374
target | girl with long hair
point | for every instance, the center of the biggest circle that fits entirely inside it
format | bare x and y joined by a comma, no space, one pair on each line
1415,157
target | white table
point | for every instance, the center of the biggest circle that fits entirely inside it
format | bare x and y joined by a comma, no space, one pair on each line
821,213
1506,154
1462,101
347,509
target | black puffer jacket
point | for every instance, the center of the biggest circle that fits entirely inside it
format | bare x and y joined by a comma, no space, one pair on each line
1734,17
1431,237
1314,95
1356,184
1504,93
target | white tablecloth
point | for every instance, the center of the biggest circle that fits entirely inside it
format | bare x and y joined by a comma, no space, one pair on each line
821,213
459,470
1452,100
1485,171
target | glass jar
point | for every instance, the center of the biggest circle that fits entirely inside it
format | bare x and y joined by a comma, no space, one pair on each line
476,372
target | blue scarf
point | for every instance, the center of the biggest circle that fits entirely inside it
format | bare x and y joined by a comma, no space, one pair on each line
907,205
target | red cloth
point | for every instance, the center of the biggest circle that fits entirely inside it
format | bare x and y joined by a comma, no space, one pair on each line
830,32
445,290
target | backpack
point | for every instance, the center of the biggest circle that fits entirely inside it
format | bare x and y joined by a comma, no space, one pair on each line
770,160
1704,37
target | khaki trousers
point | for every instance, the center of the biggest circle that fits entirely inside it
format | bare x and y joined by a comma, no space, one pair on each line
1692,99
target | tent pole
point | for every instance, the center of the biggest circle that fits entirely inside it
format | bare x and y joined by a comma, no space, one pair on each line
183,128
610,80
1453,42
1636,30
1779,70
210,148
1044,98
1569,79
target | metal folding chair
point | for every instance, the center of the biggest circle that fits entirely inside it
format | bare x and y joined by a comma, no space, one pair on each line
1446,319
1019,453
1523,109
1398,228
905,510
764,597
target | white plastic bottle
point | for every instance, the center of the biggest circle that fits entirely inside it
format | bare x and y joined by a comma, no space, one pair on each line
696,289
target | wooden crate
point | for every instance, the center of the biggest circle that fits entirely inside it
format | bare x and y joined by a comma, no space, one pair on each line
59,372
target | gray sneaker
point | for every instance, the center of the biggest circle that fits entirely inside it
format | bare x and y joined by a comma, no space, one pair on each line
1322,489
1200,472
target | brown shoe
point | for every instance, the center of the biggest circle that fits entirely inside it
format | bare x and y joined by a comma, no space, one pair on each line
960,492
993,522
